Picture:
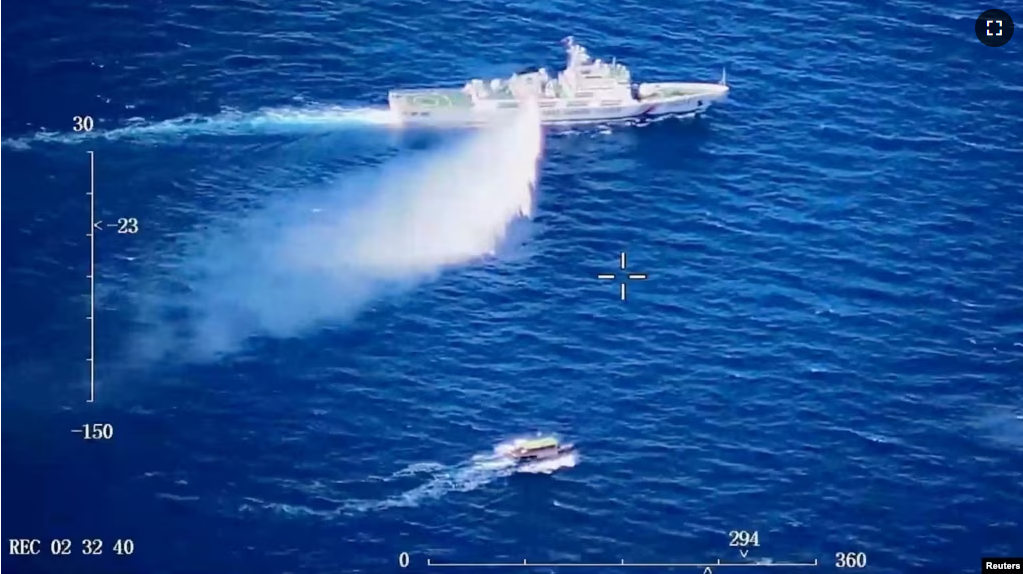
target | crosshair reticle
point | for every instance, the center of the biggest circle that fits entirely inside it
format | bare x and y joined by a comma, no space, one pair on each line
624,276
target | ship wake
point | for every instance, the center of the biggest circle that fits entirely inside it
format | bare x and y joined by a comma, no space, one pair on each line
280,120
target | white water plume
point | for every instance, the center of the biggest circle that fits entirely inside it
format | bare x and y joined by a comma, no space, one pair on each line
321,257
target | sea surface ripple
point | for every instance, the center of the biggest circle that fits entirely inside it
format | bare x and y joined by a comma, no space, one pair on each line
828,350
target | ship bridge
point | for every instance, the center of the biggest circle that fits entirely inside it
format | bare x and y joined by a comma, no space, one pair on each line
583,78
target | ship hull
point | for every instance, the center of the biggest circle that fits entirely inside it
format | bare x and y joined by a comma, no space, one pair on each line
451,107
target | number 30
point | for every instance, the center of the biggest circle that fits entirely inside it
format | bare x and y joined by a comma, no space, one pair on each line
82,123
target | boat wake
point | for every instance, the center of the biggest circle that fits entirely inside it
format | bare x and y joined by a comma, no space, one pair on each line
227,123
440,479
319,257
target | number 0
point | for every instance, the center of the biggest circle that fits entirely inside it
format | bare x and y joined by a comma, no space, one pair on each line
403,560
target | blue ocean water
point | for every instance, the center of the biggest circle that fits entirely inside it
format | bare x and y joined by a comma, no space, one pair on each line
828,350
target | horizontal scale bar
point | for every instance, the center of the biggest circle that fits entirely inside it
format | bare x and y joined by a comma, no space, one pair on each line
620,564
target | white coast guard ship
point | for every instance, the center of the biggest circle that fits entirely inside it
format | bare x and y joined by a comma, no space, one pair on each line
586,90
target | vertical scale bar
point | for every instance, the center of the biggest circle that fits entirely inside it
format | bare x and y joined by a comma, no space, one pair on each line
92,276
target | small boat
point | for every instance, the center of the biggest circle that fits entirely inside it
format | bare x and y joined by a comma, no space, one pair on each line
540,449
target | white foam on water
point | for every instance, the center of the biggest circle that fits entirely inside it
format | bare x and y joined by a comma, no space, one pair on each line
549,465
1001,426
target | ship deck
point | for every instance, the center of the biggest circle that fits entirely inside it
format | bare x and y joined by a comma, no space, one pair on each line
682,89
430,99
